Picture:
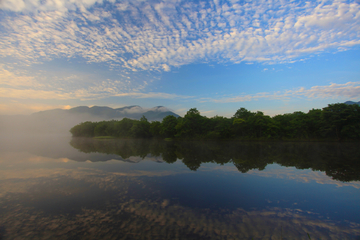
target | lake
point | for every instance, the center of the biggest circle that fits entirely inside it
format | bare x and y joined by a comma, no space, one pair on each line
53,186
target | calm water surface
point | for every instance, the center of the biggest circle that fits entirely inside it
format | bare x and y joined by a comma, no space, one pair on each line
56,187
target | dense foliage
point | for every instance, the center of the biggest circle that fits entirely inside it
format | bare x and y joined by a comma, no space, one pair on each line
336,121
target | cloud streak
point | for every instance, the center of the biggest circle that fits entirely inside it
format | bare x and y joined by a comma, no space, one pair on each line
140,35
24,85
349,90
82,94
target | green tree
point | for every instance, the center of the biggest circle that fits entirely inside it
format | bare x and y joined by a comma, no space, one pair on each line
299,125
101,129
261,126
314,123
155,128
85,129
123,128
341,120
239,127
192,125
243,113
141,128
219,127
168,125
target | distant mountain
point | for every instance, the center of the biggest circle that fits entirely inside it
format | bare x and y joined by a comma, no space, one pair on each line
107,113
61,120
351,103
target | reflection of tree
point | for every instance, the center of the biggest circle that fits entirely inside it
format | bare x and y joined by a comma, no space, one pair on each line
122,147
194,153
341,161
251,156
169,153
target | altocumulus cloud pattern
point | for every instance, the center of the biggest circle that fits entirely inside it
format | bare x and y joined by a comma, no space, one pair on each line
159,35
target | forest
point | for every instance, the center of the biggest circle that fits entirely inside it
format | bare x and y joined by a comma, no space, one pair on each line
335,122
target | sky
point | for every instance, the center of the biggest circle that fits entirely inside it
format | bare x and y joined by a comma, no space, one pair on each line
274,56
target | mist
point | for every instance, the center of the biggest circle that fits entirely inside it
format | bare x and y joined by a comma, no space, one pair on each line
60,121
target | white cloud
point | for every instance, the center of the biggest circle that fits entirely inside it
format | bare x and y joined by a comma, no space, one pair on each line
152,95
13,108
49,5
81,94
160,109
138,109
9,78
23,85
349,90
166,67
165,34
34,94
134,109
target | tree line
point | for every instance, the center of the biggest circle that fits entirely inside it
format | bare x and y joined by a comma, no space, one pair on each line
335,122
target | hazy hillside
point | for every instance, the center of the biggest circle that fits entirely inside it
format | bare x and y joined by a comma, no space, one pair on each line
351,103
60,120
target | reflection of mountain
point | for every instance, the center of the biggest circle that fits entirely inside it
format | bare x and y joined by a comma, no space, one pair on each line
51,146
61,120
57,146
338,160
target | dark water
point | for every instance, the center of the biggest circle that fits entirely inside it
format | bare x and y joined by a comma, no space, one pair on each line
55,187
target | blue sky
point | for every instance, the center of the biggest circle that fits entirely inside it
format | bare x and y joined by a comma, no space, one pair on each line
273,56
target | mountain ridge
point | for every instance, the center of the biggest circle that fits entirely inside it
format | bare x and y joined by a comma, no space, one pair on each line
134,111
61,120
351,103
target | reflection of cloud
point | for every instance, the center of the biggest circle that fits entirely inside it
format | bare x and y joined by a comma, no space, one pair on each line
7,172
13,159
305,176
10,161
161,220
124,214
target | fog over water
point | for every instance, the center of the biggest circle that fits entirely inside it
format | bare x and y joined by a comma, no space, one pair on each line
53,186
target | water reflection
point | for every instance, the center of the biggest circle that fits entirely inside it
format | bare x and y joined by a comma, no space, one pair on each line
93,204
49,190
69,203
341,161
